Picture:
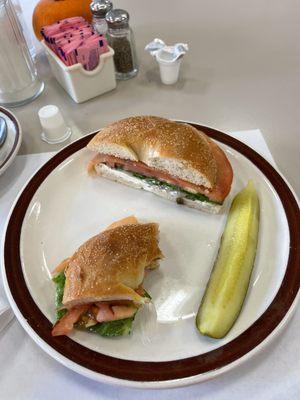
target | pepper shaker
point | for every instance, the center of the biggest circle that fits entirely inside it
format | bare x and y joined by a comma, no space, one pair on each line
99,9
120,37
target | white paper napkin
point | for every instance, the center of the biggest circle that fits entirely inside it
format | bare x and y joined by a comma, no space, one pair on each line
28,373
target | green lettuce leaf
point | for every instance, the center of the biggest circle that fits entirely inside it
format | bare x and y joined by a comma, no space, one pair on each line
59,281
112,328
146,294
106,329
185,194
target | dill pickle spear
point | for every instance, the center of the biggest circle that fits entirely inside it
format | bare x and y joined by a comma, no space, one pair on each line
227,287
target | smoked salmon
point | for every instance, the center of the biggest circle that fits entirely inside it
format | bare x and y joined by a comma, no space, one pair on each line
65,325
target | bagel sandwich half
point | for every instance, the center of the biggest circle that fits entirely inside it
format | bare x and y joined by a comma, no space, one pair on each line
170,159
100,287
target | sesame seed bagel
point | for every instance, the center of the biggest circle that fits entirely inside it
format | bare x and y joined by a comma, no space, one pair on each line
111,265
172,152
179,149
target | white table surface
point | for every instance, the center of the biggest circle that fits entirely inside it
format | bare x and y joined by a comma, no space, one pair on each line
242,72
27,373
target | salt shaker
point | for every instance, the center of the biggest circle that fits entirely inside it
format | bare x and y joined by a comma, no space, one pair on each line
99,9
120,37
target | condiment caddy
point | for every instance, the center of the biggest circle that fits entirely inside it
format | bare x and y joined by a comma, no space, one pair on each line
79,58
85,58
81,84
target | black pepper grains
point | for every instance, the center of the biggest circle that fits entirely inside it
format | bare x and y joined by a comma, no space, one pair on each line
123,55
120,38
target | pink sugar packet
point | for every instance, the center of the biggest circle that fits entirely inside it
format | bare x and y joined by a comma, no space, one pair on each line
93,46
100,41
82,35
68,52
56,41
69,20
65,22
59,39
82,55
103,45
88,54
83,52
75,41
59,46
48,32
65,52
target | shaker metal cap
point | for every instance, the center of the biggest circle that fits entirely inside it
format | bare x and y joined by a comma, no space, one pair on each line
100,8
117,18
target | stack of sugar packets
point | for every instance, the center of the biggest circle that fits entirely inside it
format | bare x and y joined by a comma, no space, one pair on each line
74,41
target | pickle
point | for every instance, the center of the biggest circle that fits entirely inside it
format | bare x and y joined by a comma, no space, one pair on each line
228,284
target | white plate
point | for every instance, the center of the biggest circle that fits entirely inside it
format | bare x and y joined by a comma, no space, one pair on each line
69,207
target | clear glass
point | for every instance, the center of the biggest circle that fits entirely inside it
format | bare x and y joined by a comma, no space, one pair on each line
122,41
19,83
27,32
100,25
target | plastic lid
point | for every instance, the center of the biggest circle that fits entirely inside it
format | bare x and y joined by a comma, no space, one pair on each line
100,8
117,18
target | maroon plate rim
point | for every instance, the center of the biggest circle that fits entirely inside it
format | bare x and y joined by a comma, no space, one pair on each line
17,138
155,371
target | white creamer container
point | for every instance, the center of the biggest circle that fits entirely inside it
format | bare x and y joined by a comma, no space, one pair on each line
80,84
168,67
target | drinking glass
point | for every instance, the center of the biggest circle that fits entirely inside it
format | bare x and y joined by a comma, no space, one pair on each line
19,83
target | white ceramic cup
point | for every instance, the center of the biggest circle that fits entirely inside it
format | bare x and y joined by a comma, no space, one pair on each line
54,127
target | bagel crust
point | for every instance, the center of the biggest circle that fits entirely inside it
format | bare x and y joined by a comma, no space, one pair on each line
111,265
